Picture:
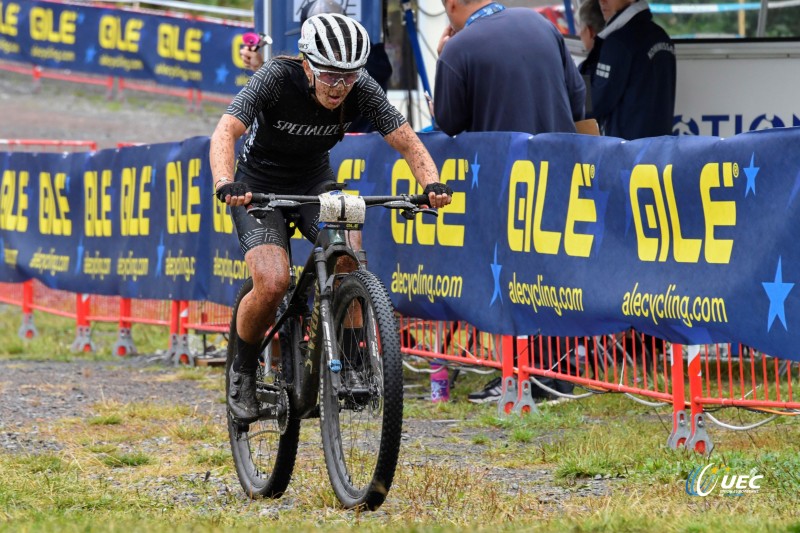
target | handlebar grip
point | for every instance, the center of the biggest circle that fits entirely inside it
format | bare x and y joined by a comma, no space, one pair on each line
420,199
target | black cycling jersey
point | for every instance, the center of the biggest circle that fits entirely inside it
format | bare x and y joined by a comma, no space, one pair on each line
291,133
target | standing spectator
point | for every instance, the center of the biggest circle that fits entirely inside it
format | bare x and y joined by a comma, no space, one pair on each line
378,65
590,22
504,70
633,84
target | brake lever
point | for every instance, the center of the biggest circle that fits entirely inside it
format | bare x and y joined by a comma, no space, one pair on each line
409,214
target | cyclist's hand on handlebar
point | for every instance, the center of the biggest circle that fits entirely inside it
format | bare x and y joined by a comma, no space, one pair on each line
438,194
234,193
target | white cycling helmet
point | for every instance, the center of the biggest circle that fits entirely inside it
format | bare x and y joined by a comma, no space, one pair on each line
333,40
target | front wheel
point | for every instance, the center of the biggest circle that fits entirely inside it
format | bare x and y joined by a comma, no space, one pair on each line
361,421
264,451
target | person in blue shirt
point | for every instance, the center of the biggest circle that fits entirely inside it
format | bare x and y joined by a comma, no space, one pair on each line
504,69
633,83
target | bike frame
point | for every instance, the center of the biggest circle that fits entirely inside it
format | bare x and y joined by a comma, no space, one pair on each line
319,274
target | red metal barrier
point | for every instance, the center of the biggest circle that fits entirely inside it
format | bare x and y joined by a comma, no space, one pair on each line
47,144
37,73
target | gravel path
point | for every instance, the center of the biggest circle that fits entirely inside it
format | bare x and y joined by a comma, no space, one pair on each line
34,395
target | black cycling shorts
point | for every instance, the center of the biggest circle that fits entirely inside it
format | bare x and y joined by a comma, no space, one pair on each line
271,229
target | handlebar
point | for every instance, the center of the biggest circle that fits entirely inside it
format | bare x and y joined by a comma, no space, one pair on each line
289,200
407,204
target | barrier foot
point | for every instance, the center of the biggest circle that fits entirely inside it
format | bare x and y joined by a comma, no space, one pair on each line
28,329
680,431
699,441
508,398
179,350
124,345
83,340
525,403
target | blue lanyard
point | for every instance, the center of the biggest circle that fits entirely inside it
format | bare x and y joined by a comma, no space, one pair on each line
485,11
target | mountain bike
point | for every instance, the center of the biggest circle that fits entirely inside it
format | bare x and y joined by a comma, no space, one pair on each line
337,359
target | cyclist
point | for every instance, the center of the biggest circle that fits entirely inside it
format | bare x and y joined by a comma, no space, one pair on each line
296,110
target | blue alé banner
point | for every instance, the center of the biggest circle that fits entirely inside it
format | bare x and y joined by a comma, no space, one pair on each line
169,50
688,238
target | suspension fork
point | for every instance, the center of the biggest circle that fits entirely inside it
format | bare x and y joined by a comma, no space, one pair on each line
322,305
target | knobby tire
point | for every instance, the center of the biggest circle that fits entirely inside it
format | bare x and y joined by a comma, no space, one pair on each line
361,433
264,457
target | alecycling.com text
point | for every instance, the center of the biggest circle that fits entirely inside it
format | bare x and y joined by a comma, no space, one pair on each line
672,306
429,285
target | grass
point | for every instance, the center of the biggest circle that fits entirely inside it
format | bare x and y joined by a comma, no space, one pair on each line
599,464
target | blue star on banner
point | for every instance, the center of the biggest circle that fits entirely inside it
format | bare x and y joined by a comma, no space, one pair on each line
496,276
160,250
777,291
751,172
79,256
222,74
90,53
476,168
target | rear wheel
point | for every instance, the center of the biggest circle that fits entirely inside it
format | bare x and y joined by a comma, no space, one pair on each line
362,420
264,451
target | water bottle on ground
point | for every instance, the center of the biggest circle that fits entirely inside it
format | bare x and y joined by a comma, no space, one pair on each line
440,381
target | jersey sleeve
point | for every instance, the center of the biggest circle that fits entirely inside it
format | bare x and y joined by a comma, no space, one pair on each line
373,105
261,92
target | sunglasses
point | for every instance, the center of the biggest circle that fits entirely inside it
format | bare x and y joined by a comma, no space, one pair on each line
332,78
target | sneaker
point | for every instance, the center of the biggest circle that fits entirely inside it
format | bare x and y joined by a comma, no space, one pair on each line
242,396
490,393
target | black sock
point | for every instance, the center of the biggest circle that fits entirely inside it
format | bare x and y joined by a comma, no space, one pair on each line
246,360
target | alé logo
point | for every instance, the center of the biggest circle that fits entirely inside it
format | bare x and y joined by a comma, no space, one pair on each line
702,481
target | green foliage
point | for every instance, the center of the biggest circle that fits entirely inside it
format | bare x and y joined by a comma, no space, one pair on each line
107,420
119,460
780,22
